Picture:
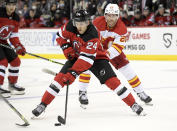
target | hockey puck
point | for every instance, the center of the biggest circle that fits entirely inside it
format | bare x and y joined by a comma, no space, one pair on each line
57,124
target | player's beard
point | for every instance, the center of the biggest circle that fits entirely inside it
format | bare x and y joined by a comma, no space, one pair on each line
111,23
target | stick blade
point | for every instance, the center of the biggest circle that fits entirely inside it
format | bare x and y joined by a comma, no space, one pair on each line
23,125
61,120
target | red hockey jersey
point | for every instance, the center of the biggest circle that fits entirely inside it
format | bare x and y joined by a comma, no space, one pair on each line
112,39
87,46
9,27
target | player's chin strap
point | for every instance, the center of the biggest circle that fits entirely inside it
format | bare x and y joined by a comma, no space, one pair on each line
9,47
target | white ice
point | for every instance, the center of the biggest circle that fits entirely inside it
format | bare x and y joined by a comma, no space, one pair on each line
105,112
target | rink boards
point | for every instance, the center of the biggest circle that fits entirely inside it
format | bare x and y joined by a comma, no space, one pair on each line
145,43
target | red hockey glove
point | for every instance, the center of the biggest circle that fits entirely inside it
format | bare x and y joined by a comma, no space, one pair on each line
20,49
68,51
69,77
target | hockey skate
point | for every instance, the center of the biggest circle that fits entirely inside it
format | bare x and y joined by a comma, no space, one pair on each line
145,98
138,109
16,90
5,93
38,110
83,99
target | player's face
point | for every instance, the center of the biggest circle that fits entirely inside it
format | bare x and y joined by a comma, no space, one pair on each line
82,26
111,20
10,7
146,12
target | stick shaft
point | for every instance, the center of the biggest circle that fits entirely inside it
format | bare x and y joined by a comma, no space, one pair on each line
3,45
44,58
14,109
66,102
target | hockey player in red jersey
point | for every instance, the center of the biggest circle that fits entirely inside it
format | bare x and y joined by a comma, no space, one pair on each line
80,42
9,22
113,32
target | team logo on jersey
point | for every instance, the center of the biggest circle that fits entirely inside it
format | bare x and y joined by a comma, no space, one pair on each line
123,39
6,31
102,72
76,46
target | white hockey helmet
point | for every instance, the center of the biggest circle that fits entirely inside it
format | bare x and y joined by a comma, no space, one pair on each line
112,9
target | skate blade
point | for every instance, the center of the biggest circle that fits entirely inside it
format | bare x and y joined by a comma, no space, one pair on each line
6,95
149,104
83,106
37,118
13,92
40,117
143,113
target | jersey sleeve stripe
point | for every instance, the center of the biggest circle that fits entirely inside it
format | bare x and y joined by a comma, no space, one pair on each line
90,57
88,54
88,60
14,35
119,46
60,33
2,67
119,50
113,52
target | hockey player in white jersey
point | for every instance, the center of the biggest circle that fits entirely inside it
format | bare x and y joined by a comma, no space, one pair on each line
113,32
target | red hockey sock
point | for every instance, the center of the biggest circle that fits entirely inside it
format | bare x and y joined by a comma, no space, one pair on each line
123,93
47,98
14,70
3,66
129,100
113,83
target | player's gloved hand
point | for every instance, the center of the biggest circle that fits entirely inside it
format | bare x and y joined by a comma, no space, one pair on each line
69,77
68,51
20,49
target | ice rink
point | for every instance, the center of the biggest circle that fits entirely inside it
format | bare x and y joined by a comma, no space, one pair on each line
105,112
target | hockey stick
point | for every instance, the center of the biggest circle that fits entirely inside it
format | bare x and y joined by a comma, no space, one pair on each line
3,45
16,111
49,72
62,120
54,74
44,58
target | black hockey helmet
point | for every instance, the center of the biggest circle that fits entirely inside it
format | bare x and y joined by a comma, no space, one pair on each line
81,15
11,1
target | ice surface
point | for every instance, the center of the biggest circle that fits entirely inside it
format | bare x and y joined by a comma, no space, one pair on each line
105,112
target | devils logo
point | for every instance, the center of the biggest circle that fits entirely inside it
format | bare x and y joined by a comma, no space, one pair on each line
6,31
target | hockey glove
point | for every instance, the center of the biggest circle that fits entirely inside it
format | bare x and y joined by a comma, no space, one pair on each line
20,49
68,51
69,77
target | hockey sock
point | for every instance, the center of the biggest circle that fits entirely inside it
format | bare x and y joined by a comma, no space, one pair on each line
114,84
84,80
47,98
14,70
132,78
3,66
51,92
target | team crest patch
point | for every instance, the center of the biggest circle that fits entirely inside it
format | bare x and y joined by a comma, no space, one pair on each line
123,39
6,31
102,72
